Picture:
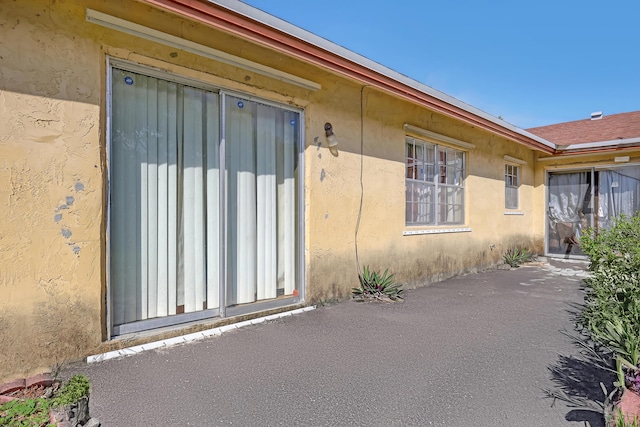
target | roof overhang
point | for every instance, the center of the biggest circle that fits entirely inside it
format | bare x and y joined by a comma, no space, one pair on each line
594,149
603,146
235,17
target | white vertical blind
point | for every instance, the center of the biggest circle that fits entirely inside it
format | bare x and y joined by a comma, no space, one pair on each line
165,237
193,201
213,242
241,273
266,202
286,205
165,170
261,147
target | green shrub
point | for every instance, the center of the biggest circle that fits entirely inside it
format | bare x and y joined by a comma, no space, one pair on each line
515,257
73,390
35,412
375,285
25,413
611,314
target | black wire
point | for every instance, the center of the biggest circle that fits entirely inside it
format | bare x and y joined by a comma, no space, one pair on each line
361,172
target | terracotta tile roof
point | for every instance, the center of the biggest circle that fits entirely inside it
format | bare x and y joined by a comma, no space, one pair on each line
609,128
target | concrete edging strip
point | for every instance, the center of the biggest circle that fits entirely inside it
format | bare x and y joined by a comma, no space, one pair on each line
129,351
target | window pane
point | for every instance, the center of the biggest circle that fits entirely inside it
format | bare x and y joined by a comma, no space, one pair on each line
410,151
451,202
164,139
511,198
411,169
439,197
511,182
419,152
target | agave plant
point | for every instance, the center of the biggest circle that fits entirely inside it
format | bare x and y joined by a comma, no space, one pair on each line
375,285
515,257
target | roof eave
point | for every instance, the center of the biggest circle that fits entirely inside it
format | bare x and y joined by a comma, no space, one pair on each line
240,19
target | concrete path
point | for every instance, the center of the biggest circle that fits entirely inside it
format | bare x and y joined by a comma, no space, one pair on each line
470,351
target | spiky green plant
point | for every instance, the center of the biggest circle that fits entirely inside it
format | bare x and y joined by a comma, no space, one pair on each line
515,257
375,285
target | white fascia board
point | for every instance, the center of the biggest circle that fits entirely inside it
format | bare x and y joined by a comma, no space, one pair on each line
299,33
602,144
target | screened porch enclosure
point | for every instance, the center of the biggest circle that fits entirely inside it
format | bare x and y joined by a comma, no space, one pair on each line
590,198
203,202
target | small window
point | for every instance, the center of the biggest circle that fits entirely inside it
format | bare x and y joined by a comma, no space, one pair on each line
434,184
511,184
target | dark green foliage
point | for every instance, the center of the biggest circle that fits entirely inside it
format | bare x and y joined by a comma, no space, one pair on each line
35,412
25,413
611,315
75,389
375,285
515,257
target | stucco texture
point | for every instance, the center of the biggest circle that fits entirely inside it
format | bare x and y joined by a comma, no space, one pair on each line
52,190
53,278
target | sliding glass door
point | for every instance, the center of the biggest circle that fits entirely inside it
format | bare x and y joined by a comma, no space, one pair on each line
260,159
189,224
590,198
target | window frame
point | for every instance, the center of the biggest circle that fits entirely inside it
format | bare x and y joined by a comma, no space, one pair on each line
447,174
224,310
512,178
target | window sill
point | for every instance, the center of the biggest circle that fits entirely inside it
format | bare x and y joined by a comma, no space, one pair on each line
436,231
513,213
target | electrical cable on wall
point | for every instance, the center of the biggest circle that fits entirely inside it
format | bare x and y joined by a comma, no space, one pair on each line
361,174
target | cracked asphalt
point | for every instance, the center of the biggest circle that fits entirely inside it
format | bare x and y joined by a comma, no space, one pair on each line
470,351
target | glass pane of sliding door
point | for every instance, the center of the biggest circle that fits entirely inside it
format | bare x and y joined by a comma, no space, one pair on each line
183,243
164,222
569,211
618,194
261,169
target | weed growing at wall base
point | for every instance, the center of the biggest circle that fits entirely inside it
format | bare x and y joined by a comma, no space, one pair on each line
375,285
515,257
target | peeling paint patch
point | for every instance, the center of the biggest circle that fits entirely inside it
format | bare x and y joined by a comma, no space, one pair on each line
76,250
66,233
322,175
61,207
319,155
70,200
326,216
57,217
79,186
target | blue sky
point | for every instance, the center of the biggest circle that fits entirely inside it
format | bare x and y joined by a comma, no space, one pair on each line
532,63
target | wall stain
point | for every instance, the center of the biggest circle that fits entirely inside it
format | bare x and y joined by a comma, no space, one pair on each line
66,233
70,200
79,186
57,217
322,175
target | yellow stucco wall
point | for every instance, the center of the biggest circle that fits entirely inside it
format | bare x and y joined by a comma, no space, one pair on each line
53,163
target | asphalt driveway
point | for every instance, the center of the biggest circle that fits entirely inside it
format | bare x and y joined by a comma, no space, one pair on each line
470,351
